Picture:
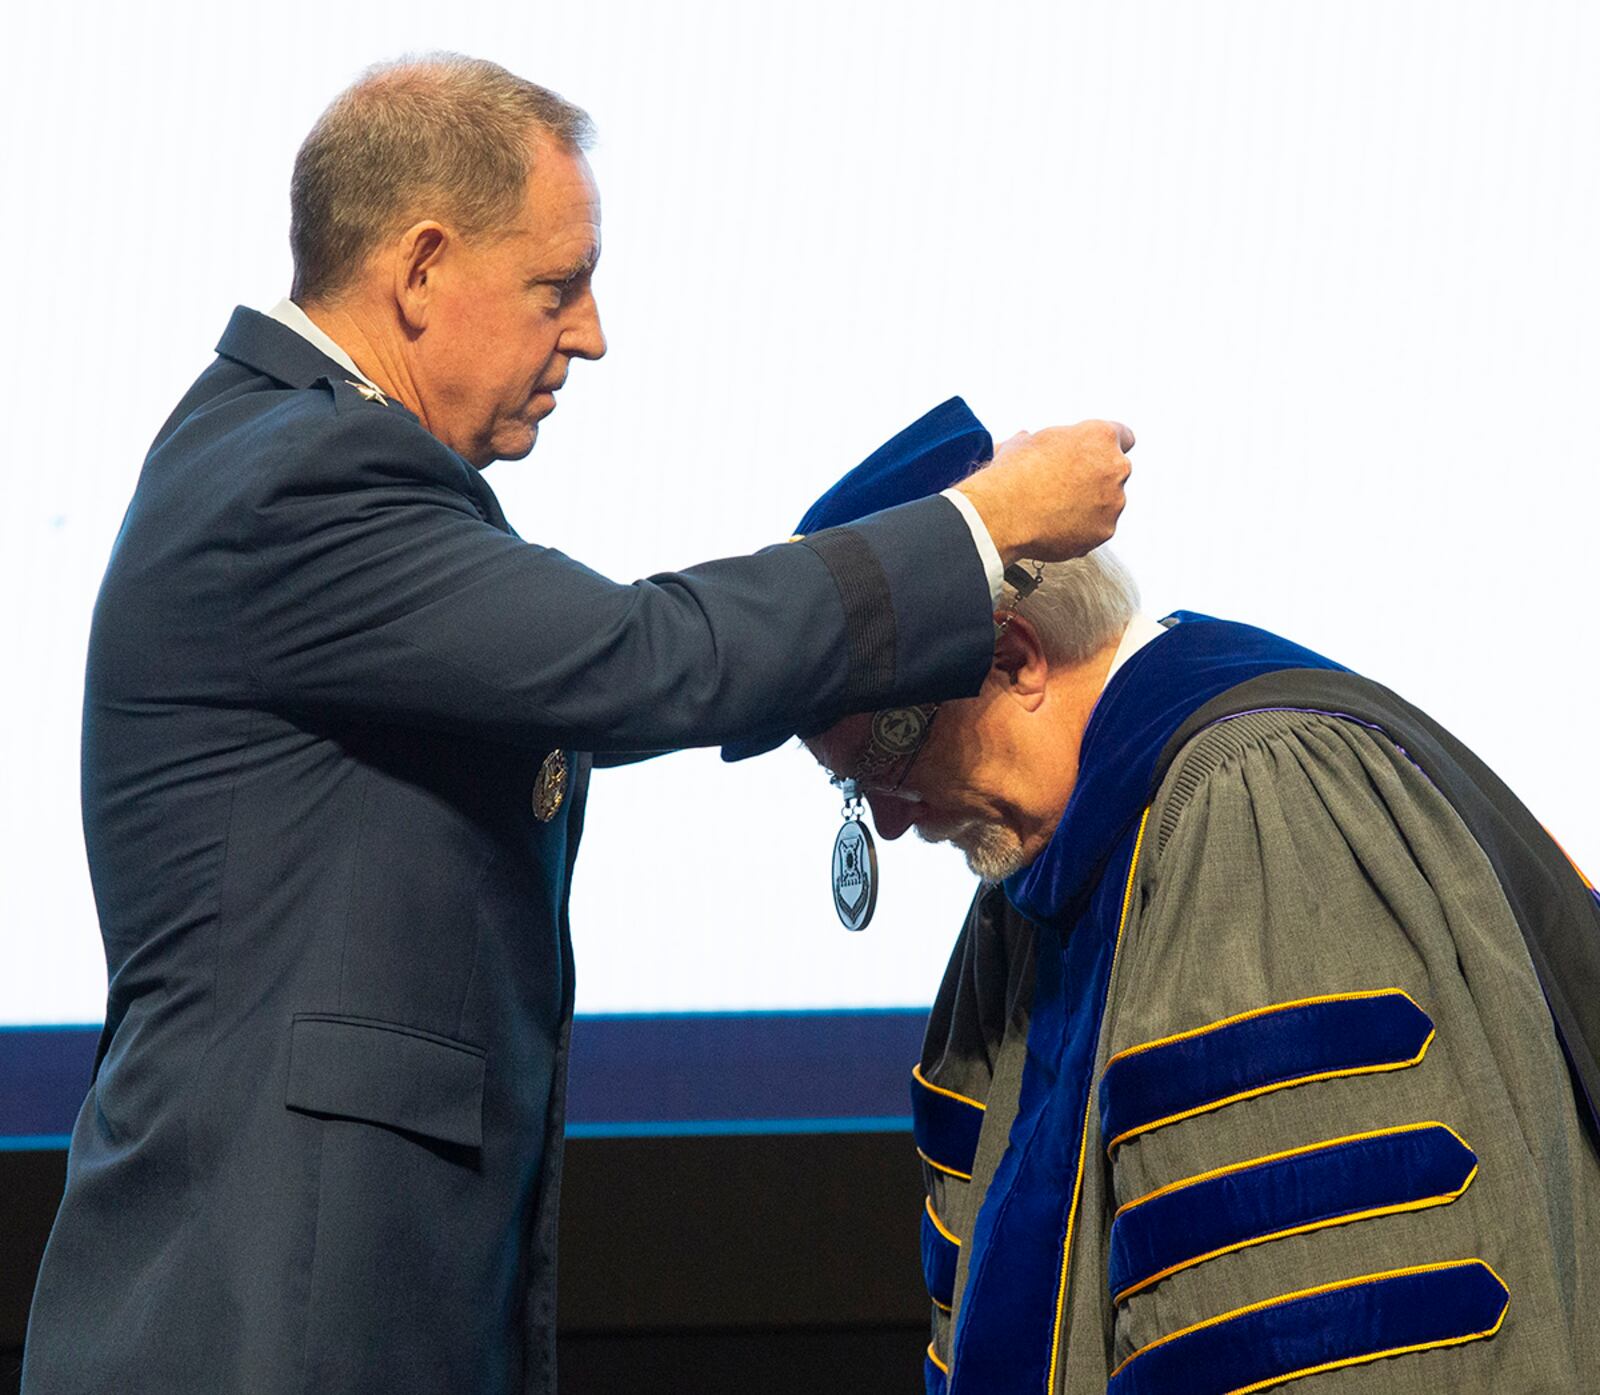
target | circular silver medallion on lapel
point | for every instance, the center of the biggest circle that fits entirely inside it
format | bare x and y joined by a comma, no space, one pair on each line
855,875
550,787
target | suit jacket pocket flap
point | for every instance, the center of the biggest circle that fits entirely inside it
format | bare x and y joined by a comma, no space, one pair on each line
384,1073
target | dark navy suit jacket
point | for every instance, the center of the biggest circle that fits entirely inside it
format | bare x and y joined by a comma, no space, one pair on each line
321,1151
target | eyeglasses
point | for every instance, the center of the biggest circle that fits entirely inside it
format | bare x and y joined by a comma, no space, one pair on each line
894,739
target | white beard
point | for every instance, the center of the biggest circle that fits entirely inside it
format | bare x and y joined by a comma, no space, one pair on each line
992,850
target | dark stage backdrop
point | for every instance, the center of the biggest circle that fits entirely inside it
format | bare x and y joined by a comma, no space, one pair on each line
690,1265
740,1208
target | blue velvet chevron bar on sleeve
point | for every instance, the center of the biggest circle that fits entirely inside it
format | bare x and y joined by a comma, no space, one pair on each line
1331,1183
1270,1048
1316,1330
945,1126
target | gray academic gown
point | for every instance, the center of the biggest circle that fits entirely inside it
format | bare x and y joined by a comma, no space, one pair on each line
1290,855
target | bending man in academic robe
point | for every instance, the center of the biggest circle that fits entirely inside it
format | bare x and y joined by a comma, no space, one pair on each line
1267,1048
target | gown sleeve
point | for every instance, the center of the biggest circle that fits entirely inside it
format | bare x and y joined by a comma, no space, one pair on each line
1340,1138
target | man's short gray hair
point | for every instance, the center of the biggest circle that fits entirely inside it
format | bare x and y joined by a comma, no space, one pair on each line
438,136
1081,606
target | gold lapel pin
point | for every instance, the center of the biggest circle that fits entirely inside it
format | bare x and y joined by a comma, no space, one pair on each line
550,787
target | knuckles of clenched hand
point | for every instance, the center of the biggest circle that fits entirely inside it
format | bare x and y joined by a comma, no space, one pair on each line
1054,493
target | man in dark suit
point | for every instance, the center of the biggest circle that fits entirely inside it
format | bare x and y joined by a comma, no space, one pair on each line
333,771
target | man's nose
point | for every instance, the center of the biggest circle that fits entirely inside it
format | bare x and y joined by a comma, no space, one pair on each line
584,338
891,816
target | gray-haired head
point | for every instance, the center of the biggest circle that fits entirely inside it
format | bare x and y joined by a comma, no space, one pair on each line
1080,606
434,136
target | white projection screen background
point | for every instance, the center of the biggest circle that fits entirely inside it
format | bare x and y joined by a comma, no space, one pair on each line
1334,262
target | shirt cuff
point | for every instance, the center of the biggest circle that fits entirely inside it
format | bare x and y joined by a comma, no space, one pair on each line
988,553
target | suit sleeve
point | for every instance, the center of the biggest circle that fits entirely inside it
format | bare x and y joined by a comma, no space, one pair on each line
1336,1118
369,582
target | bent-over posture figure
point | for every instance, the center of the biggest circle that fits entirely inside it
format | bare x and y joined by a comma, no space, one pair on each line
1267,1049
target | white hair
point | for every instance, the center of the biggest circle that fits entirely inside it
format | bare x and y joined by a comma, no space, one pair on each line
1080,606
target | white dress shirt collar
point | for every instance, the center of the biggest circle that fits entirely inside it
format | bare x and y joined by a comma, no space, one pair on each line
287,313
1142,630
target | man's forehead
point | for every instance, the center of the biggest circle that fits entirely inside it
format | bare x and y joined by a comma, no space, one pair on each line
561,253
561,196
563,172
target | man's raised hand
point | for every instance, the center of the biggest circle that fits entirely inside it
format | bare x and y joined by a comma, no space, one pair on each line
1053,494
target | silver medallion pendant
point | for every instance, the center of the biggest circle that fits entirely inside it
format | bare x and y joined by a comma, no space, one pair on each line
855,870
550,787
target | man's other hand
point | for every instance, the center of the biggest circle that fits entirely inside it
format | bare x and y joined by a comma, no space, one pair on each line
1053,494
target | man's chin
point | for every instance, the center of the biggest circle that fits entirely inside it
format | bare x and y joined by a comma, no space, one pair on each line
992,850
513,443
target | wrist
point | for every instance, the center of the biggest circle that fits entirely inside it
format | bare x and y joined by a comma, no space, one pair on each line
997,519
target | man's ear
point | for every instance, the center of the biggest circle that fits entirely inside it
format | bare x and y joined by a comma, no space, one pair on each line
417,256
1019,662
